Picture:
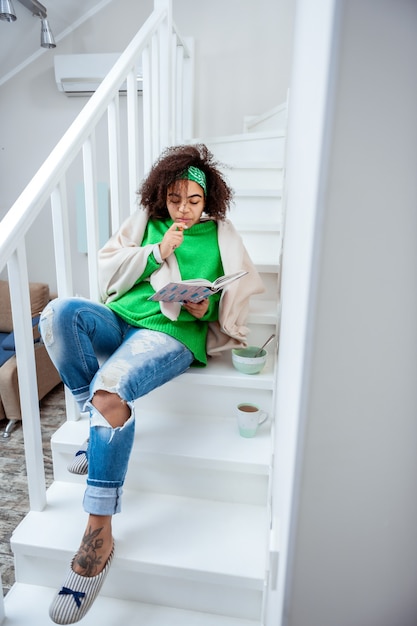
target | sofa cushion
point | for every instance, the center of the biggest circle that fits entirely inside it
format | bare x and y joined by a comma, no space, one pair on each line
7,339
5,354
39,298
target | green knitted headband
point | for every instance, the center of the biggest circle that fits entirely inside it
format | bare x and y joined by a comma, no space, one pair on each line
197,175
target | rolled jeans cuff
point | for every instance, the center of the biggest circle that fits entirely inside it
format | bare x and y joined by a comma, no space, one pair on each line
102,500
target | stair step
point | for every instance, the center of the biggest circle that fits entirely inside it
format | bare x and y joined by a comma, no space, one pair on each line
264,246
258,228
187,552
220,371
259,206
265,266
262,312
261,175
29,605
222,374
191,456
265,262
259,193
253,146
213,442
275,118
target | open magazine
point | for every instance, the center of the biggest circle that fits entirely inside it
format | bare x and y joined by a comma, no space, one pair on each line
194,290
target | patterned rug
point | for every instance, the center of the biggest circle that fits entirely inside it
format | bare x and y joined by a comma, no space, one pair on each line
14,500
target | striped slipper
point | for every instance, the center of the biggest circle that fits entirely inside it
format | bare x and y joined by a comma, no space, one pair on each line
77,595
79,464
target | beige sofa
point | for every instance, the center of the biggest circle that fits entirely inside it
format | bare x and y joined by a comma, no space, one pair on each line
47,376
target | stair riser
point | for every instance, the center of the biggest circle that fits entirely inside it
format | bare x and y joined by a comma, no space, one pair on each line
254,178
220,401
198,483
271,288
185,593
268,253
163,476
256,210
252,150
258,335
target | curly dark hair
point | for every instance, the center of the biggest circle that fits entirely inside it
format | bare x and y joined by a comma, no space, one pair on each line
172,163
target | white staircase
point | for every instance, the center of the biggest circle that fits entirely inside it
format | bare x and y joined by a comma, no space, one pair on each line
192,542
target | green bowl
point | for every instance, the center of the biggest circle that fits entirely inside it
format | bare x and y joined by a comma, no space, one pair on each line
244,359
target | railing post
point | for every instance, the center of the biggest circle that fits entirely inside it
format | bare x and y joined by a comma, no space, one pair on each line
91,212
155,96
174,58
132,137
113,123
147,109
178,74
165,74
187,92
28,392
62,245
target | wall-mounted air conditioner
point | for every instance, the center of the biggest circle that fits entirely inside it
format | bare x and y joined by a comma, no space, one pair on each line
81,74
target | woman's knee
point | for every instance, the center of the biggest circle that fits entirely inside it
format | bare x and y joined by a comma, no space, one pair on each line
57,315
112,407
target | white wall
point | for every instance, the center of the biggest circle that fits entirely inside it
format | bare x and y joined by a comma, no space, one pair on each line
354,555
243,51
233,39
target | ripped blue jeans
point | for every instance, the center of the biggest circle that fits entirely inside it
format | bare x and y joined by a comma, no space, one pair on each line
94,349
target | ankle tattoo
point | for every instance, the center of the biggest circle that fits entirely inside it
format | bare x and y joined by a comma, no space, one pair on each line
87,557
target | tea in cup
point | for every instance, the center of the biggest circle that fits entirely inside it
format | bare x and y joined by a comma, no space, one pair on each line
249,418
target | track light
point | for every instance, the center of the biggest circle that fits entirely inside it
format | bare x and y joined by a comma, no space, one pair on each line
7,13
47,38
37,9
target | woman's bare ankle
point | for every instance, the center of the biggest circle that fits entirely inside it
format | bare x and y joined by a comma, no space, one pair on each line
95,547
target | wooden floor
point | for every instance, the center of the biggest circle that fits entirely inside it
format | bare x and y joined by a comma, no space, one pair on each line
14,501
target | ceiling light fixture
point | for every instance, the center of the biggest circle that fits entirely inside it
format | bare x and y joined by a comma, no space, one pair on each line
47,38
7,13
38,10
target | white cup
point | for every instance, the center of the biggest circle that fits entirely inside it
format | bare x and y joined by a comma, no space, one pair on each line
249,418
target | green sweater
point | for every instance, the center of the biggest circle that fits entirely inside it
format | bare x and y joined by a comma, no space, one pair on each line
198,257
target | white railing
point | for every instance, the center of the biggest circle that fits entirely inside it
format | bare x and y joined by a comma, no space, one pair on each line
167,119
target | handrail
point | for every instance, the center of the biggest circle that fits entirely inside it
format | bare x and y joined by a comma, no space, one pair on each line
160,57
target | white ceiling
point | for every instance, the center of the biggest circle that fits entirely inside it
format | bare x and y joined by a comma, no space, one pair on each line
20,40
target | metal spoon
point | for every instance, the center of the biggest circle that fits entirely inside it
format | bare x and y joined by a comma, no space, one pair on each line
265,344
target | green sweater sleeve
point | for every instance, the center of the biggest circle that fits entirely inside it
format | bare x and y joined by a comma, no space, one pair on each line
151,266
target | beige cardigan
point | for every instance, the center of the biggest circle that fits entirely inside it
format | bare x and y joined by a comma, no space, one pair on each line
122,260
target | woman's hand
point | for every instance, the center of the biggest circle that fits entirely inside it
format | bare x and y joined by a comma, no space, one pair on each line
171,240
197,309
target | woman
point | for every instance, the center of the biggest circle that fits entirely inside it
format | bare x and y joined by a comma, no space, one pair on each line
113,352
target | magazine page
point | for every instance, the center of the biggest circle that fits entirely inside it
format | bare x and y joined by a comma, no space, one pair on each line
180,292
193,290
